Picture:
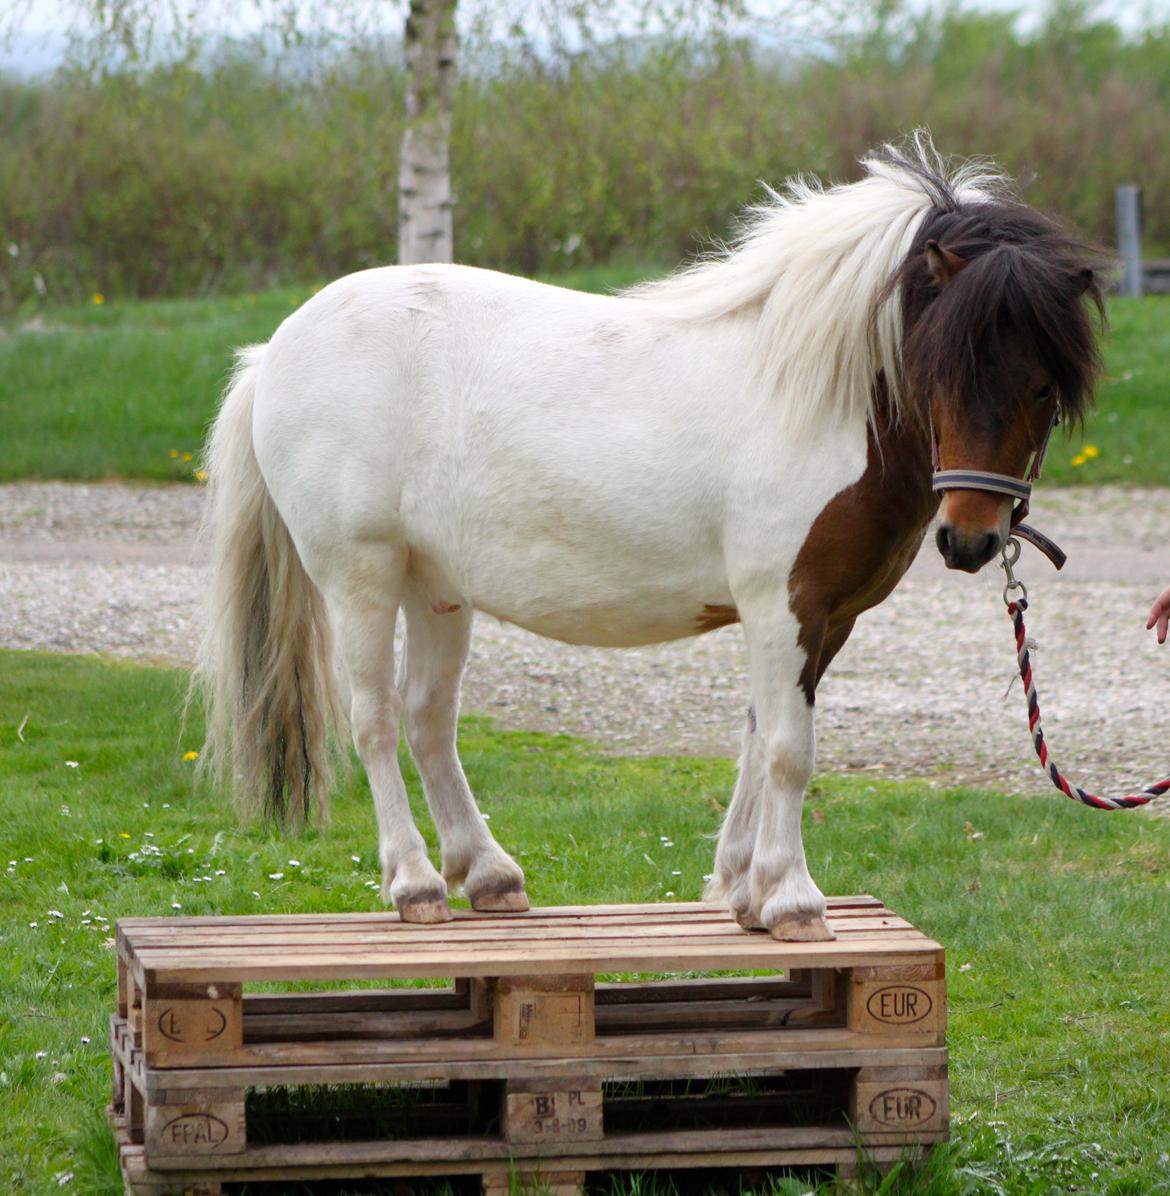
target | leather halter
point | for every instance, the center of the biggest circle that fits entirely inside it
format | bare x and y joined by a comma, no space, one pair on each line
998,483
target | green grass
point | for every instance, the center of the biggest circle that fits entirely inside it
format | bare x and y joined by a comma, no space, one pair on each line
112,390
1054,916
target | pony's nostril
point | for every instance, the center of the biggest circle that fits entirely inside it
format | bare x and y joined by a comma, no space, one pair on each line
943,540
991,544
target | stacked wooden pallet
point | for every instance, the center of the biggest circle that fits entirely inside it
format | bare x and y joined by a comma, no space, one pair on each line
516,1061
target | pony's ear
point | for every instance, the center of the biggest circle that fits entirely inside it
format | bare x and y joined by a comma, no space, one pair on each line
942,263
1084,280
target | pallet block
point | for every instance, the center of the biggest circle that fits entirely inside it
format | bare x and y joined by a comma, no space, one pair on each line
520,1064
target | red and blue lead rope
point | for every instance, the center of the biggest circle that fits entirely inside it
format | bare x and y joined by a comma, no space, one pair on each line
1016,609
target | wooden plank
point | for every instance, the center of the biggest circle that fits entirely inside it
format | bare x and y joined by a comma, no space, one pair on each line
123,998
815,1049
199,948
358,1000
722,954
437,1052
724,988
480,929
725,1147
674,1016
744,989
305,1172
323,1027
589,912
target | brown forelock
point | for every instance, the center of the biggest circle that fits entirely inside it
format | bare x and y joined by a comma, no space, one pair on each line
1025,308
1002,445
863,541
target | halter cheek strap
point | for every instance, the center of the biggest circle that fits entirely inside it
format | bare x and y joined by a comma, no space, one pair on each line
998,483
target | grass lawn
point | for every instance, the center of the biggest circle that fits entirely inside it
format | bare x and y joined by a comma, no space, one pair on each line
1054,915
113,390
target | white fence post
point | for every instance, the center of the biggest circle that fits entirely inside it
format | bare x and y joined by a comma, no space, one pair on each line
1129,239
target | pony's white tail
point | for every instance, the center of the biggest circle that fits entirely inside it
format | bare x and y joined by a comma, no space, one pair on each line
265,664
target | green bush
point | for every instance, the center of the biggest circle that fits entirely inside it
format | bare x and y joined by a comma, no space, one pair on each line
246,172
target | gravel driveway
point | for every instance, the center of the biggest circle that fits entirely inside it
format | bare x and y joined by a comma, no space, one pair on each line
919,691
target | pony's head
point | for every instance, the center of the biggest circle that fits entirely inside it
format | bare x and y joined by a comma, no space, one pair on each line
1000,342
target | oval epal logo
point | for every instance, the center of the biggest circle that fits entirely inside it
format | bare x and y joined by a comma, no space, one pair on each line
196,1130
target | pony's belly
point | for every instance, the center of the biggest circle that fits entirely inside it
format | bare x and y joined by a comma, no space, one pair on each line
619,625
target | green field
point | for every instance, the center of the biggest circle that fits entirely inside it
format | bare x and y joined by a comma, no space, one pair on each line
1054,915
124,390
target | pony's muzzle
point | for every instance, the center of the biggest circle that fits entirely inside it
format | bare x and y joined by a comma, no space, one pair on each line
967,550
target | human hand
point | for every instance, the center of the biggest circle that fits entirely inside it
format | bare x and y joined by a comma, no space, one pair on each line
1160,615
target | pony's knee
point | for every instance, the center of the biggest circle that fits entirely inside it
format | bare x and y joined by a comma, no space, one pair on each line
788,759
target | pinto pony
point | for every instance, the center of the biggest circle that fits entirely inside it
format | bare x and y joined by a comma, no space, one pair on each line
749,440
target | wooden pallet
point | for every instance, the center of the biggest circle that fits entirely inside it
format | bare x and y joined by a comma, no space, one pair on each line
517,1061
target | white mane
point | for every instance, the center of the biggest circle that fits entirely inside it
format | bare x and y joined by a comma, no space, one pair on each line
814,266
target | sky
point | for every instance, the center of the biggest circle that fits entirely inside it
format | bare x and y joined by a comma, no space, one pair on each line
42,41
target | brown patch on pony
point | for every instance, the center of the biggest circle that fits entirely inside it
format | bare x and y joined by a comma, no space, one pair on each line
714,616
862,543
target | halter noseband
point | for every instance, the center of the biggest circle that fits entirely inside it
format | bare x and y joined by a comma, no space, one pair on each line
998,483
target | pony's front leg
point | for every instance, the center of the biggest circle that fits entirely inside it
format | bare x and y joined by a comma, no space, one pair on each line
730,881
784,899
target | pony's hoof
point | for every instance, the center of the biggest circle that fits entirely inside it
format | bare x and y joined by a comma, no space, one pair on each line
748,920
424,912
513,902
802,928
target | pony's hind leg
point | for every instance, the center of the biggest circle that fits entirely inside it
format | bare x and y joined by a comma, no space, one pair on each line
436,652
364,610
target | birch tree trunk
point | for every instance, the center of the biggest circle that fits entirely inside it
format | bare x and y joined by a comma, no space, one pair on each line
424,174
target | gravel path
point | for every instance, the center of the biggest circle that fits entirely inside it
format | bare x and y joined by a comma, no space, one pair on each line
917,692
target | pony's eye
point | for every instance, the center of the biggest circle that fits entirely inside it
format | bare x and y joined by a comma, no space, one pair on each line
1045,393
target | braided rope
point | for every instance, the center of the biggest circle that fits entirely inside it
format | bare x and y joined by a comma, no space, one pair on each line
1016,609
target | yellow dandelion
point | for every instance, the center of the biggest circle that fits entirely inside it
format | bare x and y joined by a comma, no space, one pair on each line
1079,459
1090,451
189,756
97,299
188,456
124,834
201,475
174,454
